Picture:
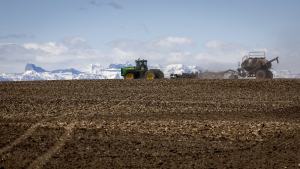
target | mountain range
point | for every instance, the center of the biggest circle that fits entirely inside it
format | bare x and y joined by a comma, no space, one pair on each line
96,71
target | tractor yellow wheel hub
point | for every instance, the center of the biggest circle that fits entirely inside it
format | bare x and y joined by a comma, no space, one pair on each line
150,76
129,76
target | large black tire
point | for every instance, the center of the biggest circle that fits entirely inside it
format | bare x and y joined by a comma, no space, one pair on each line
129,75
150,74
233,77
261,74
269,74
160,74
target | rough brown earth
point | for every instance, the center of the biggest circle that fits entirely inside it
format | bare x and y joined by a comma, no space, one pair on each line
179,123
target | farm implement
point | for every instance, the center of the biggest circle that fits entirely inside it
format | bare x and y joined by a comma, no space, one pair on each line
254,64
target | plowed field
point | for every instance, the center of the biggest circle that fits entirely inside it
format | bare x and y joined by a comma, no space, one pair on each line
179,123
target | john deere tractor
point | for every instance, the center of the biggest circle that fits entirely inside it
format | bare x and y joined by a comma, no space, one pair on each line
140,70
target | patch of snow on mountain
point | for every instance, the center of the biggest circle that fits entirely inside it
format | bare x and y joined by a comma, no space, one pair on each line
179,69
154,66
195,69
174,68
284,74
92,69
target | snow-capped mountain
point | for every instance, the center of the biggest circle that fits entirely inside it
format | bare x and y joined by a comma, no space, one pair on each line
92,71
96,71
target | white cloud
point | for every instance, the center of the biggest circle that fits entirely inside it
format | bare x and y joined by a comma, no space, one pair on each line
221,45
122,53
15,53
67,53
160,44
181,40
49,47
126,44
179,57
75,40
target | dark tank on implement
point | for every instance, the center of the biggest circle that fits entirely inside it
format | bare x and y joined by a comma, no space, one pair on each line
252,63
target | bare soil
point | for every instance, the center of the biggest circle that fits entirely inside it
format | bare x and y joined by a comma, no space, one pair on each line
167,123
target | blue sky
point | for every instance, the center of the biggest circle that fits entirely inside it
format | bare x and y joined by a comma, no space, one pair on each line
213,34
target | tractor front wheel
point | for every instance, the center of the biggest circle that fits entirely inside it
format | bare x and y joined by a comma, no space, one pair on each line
150,74
129,75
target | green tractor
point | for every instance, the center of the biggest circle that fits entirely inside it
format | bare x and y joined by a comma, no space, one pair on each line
141,71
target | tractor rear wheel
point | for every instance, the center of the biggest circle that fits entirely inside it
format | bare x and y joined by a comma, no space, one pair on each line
261,74
150,74
161,75
269,74
129,75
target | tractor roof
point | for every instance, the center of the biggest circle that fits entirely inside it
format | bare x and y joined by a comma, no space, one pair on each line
141,60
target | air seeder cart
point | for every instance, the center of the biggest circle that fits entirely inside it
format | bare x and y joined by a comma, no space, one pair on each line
256,65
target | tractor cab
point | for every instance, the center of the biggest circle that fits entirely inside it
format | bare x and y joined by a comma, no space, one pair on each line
141,65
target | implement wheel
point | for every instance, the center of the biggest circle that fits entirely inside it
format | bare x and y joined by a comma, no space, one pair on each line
261,74
129,75
269,74
233,77
150,74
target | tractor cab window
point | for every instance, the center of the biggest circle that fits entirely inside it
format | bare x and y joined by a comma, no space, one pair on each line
144,63
138,64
